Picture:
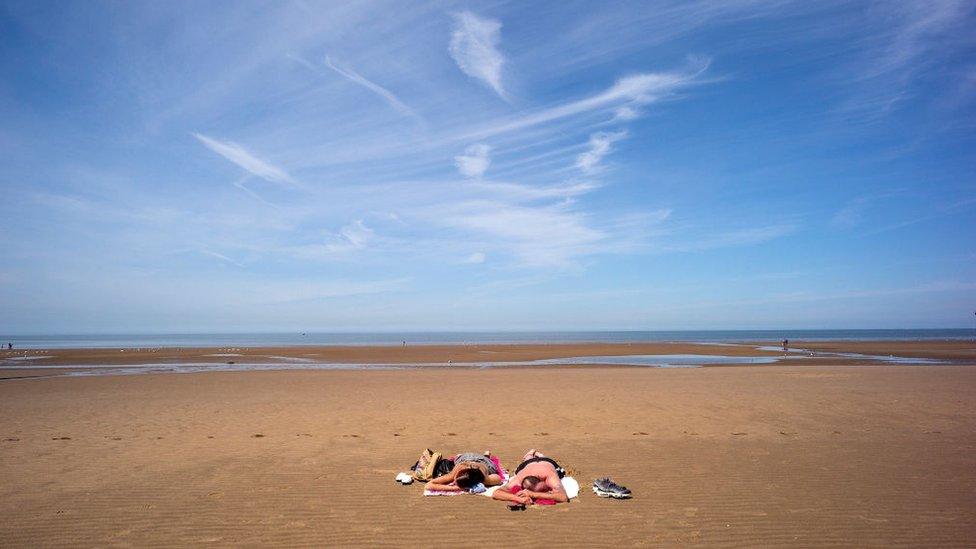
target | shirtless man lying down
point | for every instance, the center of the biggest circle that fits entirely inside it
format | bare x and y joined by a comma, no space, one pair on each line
537,477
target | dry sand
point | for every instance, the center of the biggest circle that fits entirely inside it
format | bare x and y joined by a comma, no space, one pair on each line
813,455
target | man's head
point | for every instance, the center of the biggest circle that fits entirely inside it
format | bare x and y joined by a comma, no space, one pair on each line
534,484
468,478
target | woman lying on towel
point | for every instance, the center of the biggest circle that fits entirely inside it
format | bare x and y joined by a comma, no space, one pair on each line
470,470
537,479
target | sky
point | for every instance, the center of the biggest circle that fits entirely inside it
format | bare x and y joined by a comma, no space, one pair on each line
379,166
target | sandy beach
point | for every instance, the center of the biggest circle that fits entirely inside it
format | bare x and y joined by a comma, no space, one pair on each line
810,455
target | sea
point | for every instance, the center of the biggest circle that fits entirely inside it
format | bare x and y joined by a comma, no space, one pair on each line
288,339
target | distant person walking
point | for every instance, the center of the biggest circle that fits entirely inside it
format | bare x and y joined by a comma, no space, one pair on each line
786,345
10,346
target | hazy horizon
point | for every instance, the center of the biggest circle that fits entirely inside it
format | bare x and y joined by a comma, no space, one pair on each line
449,166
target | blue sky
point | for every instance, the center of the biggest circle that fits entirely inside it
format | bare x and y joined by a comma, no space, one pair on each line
229,166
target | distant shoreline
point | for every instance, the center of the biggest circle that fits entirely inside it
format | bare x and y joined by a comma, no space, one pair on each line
121,361
316,339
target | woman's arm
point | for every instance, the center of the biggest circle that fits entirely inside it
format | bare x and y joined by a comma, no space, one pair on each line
441,487
493,480
443,483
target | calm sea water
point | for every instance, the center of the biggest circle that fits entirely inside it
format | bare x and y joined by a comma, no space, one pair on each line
394,338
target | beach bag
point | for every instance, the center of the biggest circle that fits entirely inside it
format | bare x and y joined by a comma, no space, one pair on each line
426,466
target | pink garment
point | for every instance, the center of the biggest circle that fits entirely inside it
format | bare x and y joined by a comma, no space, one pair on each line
498,467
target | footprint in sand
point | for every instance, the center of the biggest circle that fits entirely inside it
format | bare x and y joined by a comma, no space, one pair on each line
303,435
11,439
542,434
396,434
61,438
353,436
257,435
739,434
159,438
115,438
690,433
640,433
450,434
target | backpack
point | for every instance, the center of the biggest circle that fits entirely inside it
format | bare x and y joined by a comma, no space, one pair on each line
426,467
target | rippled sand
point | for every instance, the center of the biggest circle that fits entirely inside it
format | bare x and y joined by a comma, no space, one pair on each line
815,455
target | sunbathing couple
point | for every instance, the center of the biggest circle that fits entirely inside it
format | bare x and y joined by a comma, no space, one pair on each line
537,478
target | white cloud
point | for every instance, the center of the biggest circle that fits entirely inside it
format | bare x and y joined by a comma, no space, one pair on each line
386,94
902,42
732,238
474,47
240,156
539,235
635,90
352,237
625,113
220,256
527,193
599,144
474,161
477,257
849,215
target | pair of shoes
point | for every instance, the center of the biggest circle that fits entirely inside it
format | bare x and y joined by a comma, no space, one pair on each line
404,478
606,488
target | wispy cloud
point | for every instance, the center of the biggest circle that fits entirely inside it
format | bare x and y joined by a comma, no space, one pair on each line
732,238
634,90
476,258
850,215
474,47
911,38
550,235
599,146
352,237
220,256
384,93
474,161
243,158
304,291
